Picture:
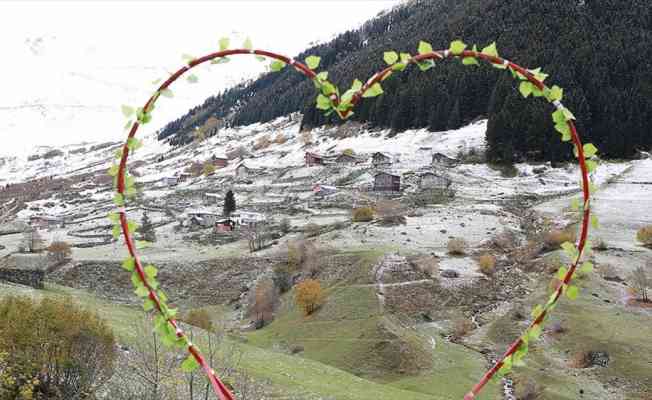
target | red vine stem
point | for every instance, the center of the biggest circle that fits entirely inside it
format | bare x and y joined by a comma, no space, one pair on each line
218,386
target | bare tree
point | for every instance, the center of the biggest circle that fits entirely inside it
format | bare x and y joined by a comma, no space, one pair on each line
258,236
641,283
263,301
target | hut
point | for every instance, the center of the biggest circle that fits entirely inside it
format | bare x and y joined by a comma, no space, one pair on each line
219,162
170,181
242,171
386,182
202,217
431,180
247,217
379,159
346,159
313,159
439,159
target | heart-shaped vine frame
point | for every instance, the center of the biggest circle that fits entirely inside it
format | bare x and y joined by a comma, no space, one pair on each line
330,100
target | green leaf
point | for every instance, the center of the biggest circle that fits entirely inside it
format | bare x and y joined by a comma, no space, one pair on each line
564,130
322,75
587,267
526,88
220,60
470,61
323,102
134,144
424,47
161,296
534,332
141,291
568,115
148,304
192,78
114,217
457,47
538,74
537,311
128,125
127,111
260,58
135,279
167,93
313,61
556,93
374,90
591,165
187,58
561,273
506,367
277,65
113,171
142,244
589,150
558,117
150,271
224,43
572,291
425,65
116,231
390,57
328,88
595,224
399,67
132,226
405,57
129,264
356,85
575,203
118,199
247,44
189,364
490,50
570,249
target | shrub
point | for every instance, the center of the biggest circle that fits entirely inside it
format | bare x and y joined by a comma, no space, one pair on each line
282,277
457,246
311,230
264,299
285,226
504,241
526,388
53,349
362,214
348,152
644,235
280,138
461,328
487,263
296,254
262,142
580,359
428,265
309,296
306,138
556,237
599,244
52,154
199,318
208,169
641,283
60,251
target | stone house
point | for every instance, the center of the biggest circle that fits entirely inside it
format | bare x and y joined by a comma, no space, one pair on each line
439,159
379,159
431,180
242,171
219,162
386,182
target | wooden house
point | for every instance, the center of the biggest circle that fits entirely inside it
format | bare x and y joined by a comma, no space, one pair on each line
184,176
379,159
242,171
170,181
219,162
202,218
210,199
248,217
431,180
346,159
313,159
386,182
439,159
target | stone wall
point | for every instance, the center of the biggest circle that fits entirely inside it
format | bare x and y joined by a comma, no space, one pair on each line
33,278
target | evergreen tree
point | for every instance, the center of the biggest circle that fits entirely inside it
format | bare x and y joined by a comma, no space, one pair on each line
146,229
229,204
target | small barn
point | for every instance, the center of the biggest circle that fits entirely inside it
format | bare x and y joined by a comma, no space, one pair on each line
248,217
431,180
386,182
313,159
202,218
219,162
346,159
379,159
46,221
184,176
211,198
170,181
242,171
439,159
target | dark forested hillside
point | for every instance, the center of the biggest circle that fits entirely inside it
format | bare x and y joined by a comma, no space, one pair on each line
595,49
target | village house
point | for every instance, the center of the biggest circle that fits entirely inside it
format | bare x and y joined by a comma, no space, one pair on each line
386,182
379,159
219,162
431,180
248,217
439,159
313,159
184,176
210,199
202,217
170,181
346,159
242,171
46,221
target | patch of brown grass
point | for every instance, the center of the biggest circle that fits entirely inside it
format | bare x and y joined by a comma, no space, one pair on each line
556,237
362,214
644,235
487,263
457,246
580,359
461,328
